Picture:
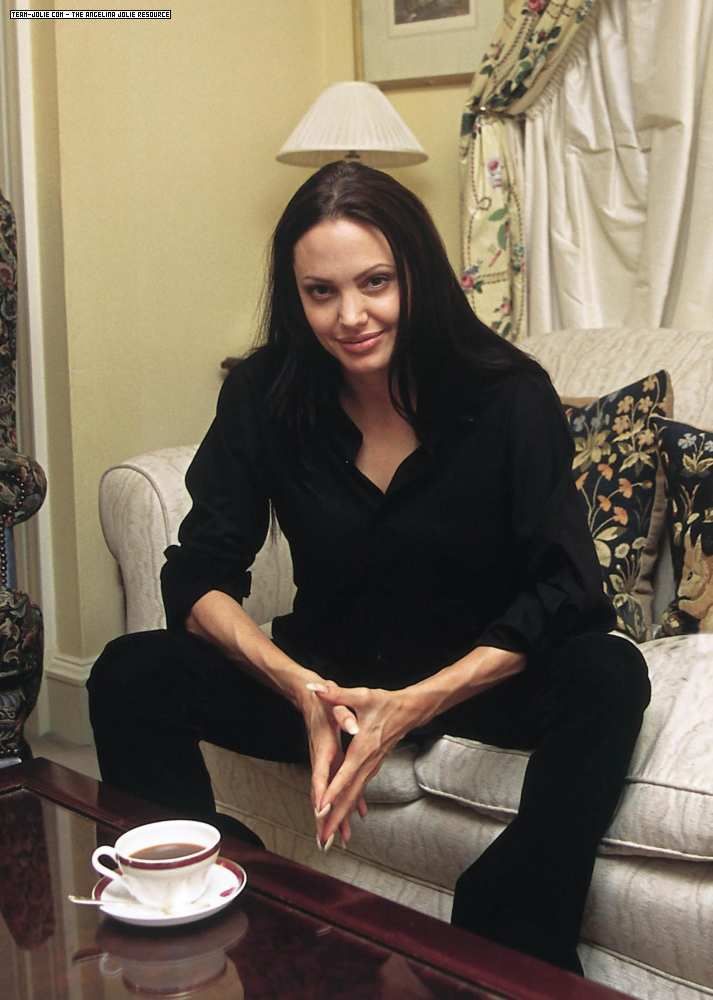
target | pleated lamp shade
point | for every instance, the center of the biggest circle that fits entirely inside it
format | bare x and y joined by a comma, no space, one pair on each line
352,120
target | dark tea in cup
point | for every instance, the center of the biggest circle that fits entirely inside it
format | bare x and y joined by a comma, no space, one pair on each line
164,852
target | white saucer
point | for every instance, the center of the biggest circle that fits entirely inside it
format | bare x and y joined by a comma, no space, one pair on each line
226,880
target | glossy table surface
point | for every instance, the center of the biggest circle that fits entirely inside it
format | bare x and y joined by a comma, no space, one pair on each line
293,933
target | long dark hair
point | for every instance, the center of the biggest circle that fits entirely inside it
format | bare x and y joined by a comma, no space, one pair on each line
436,323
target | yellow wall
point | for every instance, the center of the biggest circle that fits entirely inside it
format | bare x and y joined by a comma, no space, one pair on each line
157,148
169,188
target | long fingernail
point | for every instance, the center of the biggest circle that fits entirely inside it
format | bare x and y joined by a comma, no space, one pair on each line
321,813
325,847
315,687
351,727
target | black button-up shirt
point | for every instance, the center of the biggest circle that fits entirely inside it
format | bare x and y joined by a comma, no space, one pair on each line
480,538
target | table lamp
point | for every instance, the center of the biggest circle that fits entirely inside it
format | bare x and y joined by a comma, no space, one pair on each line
353,121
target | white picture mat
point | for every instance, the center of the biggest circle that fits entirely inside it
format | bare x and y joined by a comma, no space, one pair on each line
425,49
458,22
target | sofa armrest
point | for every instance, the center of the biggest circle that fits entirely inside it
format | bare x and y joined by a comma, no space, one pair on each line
141,504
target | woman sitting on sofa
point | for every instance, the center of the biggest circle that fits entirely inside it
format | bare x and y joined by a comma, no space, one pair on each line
420,467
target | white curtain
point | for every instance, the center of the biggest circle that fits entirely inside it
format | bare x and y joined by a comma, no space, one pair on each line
619,174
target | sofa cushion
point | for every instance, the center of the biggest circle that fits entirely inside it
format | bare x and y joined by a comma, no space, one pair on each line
656,914
667,806
592,362
687,459
616,468
395,784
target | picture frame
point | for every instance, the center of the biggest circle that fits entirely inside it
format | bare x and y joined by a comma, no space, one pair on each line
419,42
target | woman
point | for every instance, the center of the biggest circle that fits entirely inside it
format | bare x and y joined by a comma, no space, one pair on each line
420,467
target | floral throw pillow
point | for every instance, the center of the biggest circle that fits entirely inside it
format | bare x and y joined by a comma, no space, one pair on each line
617,472
687,458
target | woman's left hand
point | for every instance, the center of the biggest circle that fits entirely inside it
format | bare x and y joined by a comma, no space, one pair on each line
384,717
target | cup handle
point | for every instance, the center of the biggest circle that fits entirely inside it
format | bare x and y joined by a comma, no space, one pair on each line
102,869
109,965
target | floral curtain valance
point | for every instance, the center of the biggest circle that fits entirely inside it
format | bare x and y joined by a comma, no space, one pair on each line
522,60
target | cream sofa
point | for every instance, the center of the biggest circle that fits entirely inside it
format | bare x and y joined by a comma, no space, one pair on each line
648,928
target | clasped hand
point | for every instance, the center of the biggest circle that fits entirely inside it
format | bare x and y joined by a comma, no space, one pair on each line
377,720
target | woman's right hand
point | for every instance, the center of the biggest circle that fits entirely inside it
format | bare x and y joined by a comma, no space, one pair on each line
324,724
218,618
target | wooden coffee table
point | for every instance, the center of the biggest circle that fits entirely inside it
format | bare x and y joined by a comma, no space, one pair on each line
293,932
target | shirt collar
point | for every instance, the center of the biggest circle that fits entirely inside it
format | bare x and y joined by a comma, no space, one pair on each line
458,396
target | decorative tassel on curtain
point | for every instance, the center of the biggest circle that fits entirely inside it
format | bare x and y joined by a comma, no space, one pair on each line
530,44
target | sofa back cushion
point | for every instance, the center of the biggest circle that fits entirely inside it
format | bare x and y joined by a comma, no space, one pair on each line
594,362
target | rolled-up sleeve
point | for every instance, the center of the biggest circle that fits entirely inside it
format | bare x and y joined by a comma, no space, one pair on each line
559,590
229,516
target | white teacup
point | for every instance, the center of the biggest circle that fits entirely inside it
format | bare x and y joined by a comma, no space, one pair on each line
164,865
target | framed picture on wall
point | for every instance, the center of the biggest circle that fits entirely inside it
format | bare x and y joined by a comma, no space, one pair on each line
410,42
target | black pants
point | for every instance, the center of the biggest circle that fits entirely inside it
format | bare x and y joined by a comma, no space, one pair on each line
154,695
